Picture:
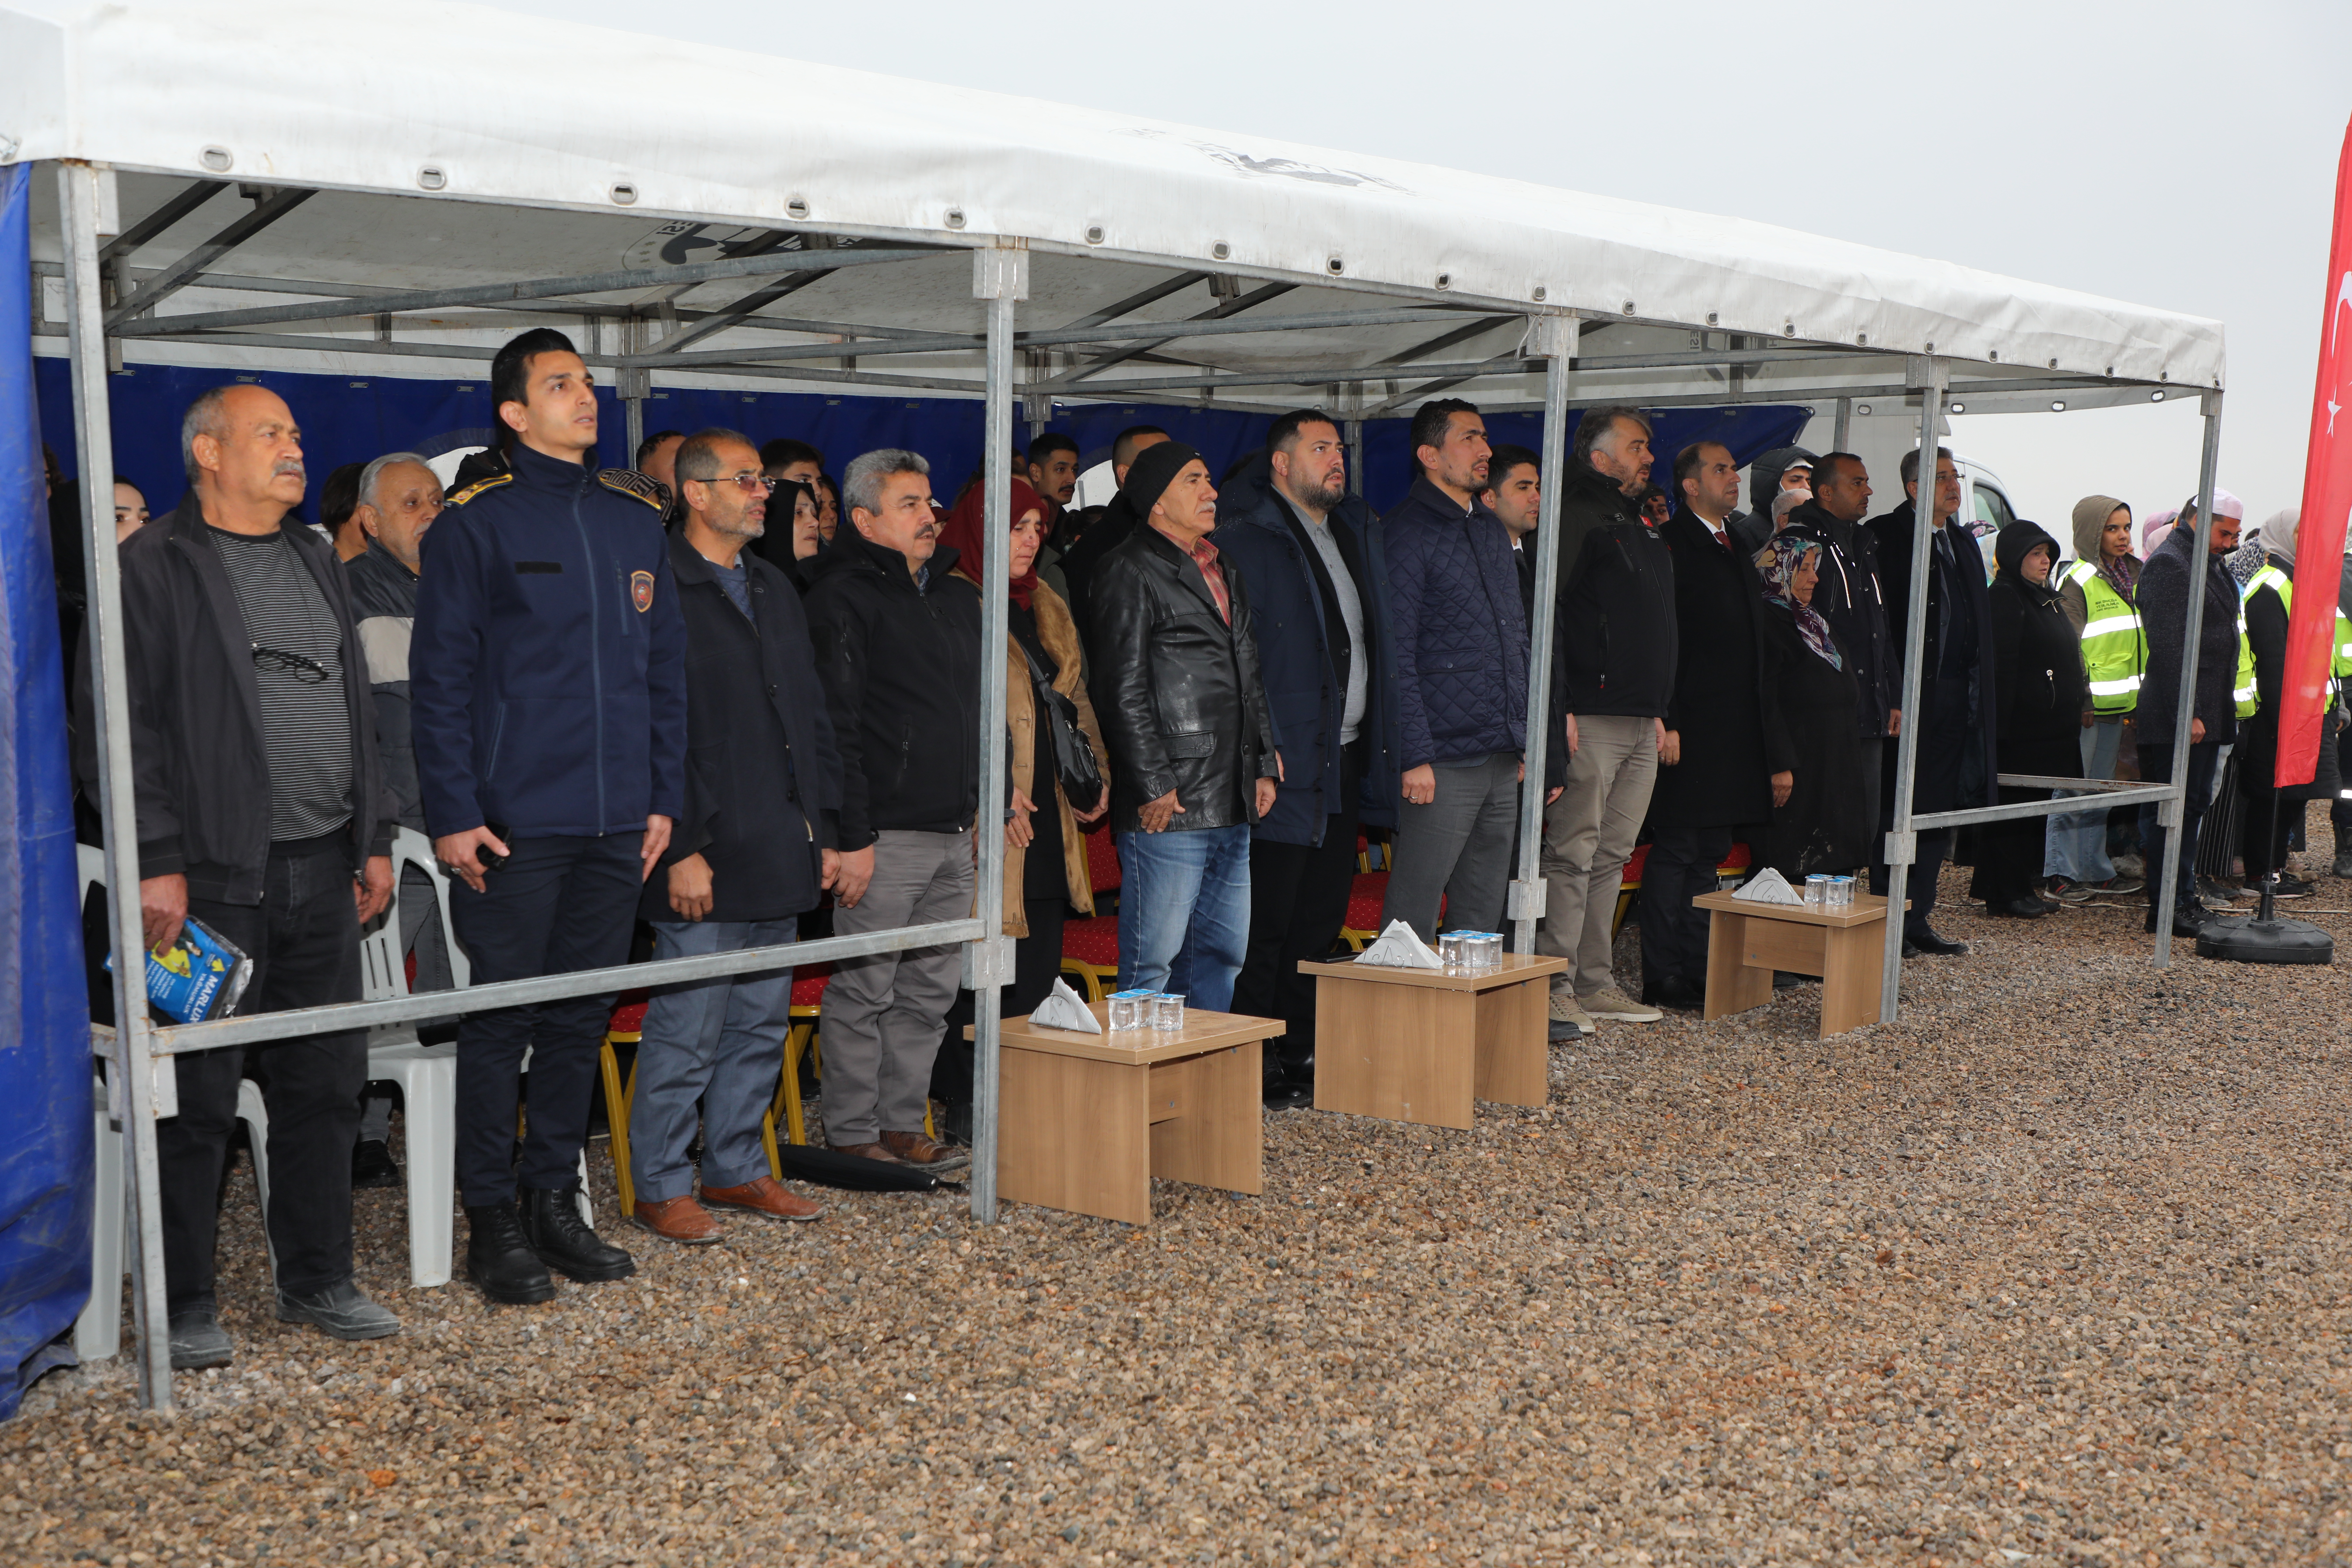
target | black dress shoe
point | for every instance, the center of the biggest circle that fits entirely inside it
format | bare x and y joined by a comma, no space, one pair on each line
1290,1094
500,1261
2027,907
1923,939
372,1165
551,1224
2188,923
1671,991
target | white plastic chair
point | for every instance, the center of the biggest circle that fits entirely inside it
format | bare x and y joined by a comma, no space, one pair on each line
98,1333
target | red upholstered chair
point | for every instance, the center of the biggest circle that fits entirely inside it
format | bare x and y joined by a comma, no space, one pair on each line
808,995
1735,868
1103,874
625,1027
1365,899
1627,886
1090,954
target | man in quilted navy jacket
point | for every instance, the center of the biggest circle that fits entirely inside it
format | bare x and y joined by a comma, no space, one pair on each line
1460,637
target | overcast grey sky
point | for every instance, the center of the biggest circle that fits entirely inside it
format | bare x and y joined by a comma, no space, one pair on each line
2160,152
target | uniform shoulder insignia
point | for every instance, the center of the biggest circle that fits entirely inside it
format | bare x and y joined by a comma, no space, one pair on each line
477,487
643,487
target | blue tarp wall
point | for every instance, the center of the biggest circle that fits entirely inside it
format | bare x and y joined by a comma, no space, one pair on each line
349,420
45,1062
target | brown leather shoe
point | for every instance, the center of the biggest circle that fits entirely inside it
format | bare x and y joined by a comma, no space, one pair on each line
681,1220
868,1152
764,1197
914,1149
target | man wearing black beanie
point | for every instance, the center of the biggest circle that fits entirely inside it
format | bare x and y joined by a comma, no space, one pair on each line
1176,686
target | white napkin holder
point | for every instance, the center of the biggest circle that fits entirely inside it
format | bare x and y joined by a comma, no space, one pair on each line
1400,947
1768,887
1062,1009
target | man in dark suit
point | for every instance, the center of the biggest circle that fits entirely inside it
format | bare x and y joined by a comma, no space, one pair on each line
1956,700
1514,493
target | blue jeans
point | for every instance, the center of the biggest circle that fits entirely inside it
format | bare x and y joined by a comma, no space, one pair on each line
1183,914
717,1041
2077,846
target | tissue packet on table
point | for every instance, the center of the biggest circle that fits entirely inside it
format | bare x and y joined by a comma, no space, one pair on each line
1400,947
1063,1009
1768,887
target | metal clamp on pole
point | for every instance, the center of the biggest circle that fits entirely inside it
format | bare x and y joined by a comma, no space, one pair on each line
1527,900
1902,848
987,962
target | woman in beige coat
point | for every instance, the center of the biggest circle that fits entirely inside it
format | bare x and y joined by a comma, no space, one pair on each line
1045,858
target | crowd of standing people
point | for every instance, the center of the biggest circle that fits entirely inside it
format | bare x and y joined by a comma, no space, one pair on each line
689,703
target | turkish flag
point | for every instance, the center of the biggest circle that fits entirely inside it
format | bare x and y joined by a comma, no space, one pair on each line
2327,509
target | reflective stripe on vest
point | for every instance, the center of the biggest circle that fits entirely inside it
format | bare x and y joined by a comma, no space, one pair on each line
2246,697
2114,653
2278,581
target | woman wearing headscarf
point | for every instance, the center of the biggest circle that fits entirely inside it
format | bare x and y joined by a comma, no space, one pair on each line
2270,601
2096,590
2038,691
791,538
1045,858
1820,820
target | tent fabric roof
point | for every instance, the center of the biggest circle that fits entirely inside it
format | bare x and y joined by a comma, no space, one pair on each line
304,94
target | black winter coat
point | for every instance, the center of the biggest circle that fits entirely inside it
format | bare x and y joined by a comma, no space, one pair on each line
762,775
1893,532
2163,602
1852,597
2037,668
200,769
1824,826
1615,642
1727,716
900,666
383,602
1302,645
1457,629
1176,689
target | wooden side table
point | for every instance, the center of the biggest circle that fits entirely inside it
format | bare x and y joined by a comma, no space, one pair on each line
1420,1045
1747,941
1085,1121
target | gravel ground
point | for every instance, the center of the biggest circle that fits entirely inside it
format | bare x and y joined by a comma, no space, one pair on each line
2047,1272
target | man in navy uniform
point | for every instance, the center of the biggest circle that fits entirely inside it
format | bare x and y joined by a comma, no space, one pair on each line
547,687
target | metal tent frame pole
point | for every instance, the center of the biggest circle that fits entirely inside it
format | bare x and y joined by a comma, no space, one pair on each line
2172,812
1001,277
81,194
1903,837
1554,339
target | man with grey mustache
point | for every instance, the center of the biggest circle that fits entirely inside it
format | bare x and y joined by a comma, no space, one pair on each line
262,813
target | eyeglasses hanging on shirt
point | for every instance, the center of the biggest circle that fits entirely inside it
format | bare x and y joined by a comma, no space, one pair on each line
307,670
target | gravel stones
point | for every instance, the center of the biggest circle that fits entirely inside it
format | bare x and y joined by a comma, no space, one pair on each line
2051,1271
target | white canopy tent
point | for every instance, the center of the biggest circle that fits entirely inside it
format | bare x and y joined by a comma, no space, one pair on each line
264,185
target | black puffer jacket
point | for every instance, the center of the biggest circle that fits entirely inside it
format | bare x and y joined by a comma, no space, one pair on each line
2037,654
1615,645
1176,689
900,666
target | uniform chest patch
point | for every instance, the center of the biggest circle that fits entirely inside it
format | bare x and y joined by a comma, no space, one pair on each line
641,591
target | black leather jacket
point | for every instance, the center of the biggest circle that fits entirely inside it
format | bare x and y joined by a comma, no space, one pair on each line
1177,690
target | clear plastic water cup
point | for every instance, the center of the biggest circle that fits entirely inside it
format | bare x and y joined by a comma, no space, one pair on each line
1130,1010
1449,949
1167,1012
1842,892
1817,891
1486,951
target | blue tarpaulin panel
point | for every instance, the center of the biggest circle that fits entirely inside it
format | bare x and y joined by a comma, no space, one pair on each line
346,419
44,1066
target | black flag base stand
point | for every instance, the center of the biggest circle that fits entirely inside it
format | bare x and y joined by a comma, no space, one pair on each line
2262,937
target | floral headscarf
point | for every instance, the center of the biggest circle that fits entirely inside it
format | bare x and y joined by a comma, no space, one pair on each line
1777,564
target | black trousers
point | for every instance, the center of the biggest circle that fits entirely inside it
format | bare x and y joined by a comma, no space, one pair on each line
2263,834
1681,866
1036,960
556,907
2156,767
1298,902
2340,810
304,940
1944,737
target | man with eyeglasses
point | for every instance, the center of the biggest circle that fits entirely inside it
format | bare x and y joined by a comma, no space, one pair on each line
547,702
262,813
753,851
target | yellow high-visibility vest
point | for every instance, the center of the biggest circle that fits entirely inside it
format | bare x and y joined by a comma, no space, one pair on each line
2114,652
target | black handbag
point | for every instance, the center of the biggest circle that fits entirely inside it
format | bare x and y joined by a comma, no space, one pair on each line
1074,760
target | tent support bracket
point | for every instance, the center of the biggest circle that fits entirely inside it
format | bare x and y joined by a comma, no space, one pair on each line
1930,375
2160,896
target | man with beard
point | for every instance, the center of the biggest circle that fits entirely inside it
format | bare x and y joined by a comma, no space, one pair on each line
1297,539
897,635
262,814
1850,595
1460,662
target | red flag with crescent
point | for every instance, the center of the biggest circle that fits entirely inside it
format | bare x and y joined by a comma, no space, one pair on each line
2327,509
